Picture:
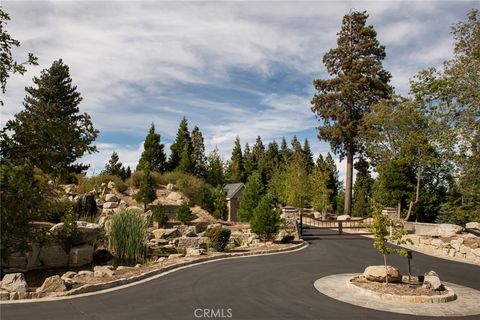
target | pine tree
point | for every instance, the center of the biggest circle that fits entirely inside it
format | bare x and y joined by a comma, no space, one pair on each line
147,193
258,152
215,175
113,167
198,153
184,213
153,157
328,165
248,161
182,138
50,132
309,164
285,152
271,161
362,190
236,169
186,165
319,191
358,81
297,151
266,220
251,197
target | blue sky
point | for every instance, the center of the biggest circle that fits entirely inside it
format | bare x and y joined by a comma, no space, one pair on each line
232,68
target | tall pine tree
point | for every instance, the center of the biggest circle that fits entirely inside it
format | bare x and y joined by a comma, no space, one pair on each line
153,157
178,147
198,153
114,167
285,151
362,190
50,133
358,81
249,161
307,152
236,169
215,175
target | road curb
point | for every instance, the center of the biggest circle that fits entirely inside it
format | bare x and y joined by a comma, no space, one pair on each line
99,288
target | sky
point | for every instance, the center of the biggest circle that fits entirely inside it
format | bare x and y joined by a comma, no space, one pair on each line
240,68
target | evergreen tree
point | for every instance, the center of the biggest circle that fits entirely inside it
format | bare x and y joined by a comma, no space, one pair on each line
258,152
177,148
248,160
186,165
147,192
358,81
236,169
271,161
128,172
7,64
198,153
309,164
251,197
285,152
319,192
153,155
328,165
219,204
50,132
114,167
362,190
184,213
297,151
214,171
266,220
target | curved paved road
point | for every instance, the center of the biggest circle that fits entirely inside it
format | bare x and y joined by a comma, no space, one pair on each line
268,287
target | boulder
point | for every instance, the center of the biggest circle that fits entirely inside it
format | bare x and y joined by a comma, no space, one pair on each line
68,275
14,282
194,252
161,259
17,261
166,233
103,271
111,197
122,205
99,202
317,215
377,274
85,273
456,243
170,187
154,250
86,205
198,242
175,256
129,192
445,230
111,185
110,205
174,196
80,256
53,256
4,295
87,232
343,217
53,284
473,225
432,281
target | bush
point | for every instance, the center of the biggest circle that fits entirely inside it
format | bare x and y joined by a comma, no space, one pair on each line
218,237
266,219
69,231
127,232
184,214
87,184
204,198
56,210
159,215
136,178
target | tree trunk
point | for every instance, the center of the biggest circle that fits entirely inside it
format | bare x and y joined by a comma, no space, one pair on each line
417,196
399,209
348,182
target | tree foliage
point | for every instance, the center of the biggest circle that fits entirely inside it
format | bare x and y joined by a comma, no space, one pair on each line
236,168
251,196
198,153
113,166
358,81
50,132
214,174
362,190
182,142
147,192
153,157
184,213
8,65
266,219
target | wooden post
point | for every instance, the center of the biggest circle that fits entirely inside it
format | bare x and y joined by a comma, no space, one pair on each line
340,231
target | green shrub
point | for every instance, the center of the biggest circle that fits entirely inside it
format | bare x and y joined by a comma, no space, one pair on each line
266,219
159,215
218,237
184,214
57,209
87,184
127,232
204,198
69,231
136,178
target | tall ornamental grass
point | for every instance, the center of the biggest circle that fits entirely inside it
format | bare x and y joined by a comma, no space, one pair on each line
127,233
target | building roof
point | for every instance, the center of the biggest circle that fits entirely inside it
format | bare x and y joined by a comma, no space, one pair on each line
232,189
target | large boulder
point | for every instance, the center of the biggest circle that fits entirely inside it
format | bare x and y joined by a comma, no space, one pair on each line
80,256
170,187
445,230
111,197
53,256
199,242
14,282
473,225
87,232
432,281
103,271
344,217
110,205
53,284
377,274
194,252
174,196
166,233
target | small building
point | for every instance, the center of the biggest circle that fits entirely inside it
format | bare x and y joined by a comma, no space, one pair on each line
234,194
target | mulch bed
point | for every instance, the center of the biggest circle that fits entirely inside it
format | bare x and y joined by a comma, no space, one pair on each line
402,289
